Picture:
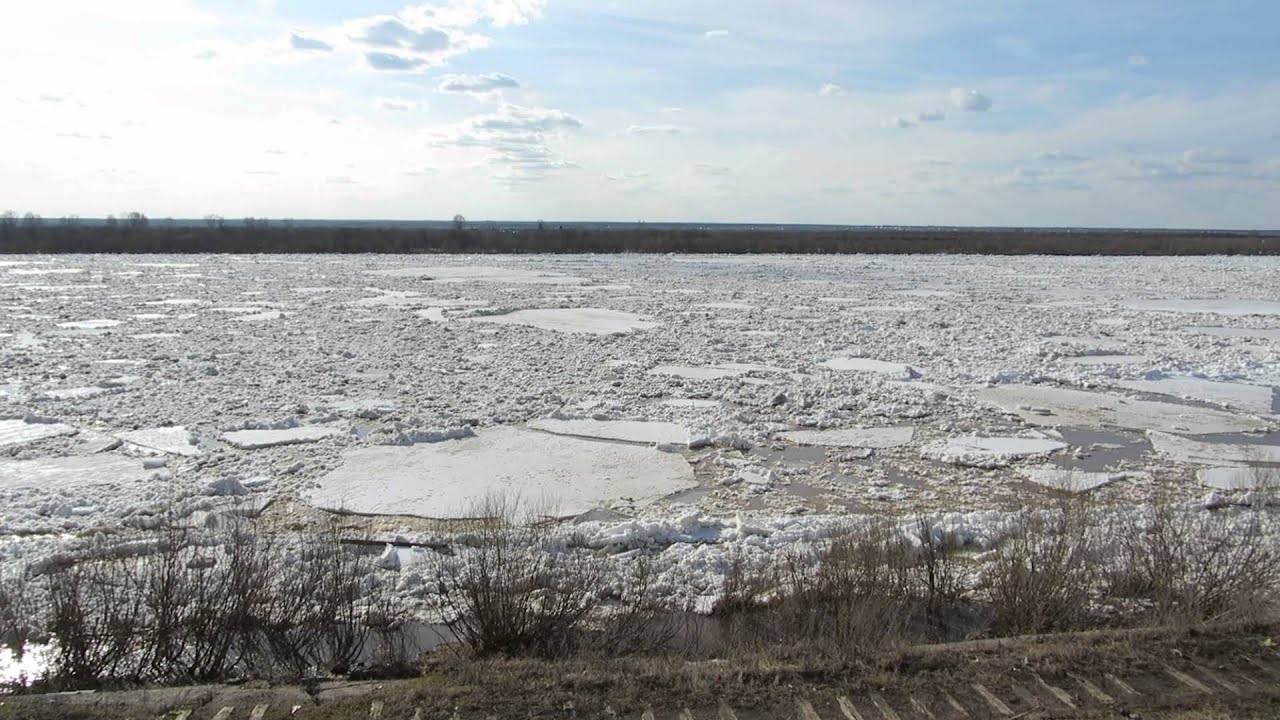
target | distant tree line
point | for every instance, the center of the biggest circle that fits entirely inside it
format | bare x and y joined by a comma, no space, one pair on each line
135,233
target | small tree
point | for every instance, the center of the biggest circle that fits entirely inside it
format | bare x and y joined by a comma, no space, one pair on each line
459,222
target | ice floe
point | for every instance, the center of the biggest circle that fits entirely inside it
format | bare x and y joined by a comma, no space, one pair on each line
1241,396
898,371
259,439
1242,478
566,475
1055,406
877,437
169,440
1212,453
1070,480
990,452
71,472
591,321
100,324
21,432
637,431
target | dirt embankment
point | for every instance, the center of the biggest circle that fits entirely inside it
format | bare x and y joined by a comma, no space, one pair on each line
1173,674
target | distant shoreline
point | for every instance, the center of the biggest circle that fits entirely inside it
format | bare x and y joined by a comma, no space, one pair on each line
138,235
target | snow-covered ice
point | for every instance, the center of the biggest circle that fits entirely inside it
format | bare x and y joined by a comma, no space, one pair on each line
564,475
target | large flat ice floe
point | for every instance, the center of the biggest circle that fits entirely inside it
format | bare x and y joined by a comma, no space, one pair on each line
637,431
258,439
875,438
482,273
898,371
21,432
1070,480
1054,406
1242,478
1205,453
71,473
590,321
1242,396
1226,332
169,440
990,452
1215,306
450,479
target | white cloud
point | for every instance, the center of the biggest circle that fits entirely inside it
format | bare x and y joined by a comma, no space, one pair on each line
716,34
1203,156
901,122
969,100
655,130
1138,61
308,44
931,116
830,90
516,139
1058,156
477,84
712,169
465,13
398,105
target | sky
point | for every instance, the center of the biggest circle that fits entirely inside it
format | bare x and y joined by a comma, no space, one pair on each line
1141,113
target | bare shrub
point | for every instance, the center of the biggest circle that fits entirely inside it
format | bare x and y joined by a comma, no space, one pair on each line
642,620
513,590
860,592
96,612
1041,576
313,617
208,605
1191,567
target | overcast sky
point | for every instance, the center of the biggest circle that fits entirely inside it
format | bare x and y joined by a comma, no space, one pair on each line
1085,113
